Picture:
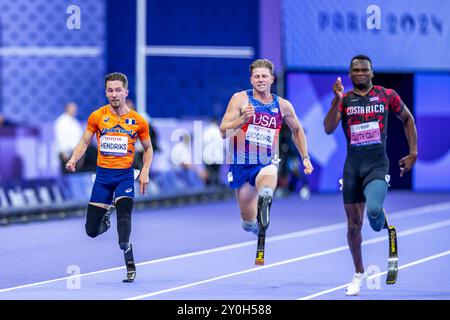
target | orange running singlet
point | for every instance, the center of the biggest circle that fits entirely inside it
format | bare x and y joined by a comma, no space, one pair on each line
116,136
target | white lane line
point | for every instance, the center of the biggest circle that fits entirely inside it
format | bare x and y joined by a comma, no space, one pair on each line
419,210
408,232
292,235
413,263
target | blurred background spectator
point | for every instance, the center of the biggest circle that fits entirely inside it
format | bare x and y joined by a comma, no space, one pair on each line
182,157
68,132
291,177
213,152
5,123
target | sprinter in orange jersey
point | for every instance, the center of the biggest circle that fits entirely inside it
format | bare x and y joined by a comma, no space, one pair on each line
117,127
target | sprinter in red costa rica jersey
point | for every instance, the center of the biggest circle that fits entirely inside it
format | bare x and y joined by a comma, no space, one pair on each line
364,114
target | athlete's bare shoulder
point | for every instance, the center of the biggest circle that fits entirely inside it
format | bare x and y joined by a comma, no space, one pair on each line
285,106
239,96
239,99
283,101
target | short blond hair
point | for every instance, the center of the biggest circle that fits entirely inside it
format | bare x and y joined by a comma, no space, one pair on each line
262,63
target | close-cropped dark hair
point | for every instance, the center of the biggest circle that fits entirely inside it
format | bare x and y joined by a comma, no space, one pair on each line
361,57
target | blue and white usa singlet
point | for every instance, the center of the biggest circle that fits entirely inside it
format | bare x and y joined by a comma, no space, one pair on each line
257,140
256,143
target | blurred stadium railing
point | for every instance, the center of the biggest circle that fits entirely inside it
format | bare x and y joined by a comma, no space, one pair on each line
67,196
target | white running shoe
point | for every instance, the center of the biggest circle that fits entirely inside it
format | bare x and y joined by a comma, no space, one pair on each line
357,281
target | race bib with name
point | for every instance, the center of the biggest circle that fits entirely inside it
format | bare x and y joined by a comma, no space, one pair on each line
260,135
113,145
365,133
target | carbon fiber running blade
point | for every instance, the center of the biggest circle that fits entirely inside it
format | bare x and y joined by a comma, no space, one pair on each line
129,262
393,257
264,204
259,261
131,272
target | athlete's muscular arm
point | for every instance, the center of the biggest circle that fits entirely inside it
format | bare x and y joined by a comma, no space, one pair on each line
79,150
238,112
298,135
408,162
333,116
147,160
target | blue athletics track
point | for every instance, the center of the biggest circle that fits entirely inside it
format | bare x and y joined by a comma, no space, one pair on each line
200,252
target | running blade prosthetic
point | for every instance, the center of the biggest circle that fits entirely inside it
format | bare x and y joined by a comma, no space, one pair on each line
129,262
393,254
259,261
264,204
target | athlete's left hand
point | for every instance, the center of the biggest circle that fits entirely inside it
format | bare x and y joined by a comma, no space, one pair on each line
70,165
143,182
407,163
308,166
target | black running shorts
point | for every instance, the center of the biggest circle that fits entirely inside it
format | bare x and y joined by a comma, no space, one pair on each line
363,165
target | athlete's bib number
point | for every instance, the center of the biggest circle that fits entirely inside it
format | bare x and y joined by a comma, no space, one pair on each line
260,135
365,133
113,145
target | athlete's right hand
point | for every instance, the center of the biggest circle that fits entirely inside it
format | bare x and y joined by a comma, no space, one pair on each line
338,88
247,113
70,165
308,166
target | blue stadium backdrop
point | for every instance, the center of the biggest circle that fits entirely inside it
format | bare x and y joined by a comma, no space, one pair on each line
43,62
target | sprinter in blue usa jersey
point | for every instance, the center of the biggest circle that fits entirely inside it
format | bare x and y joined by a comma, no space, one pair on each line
252,124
